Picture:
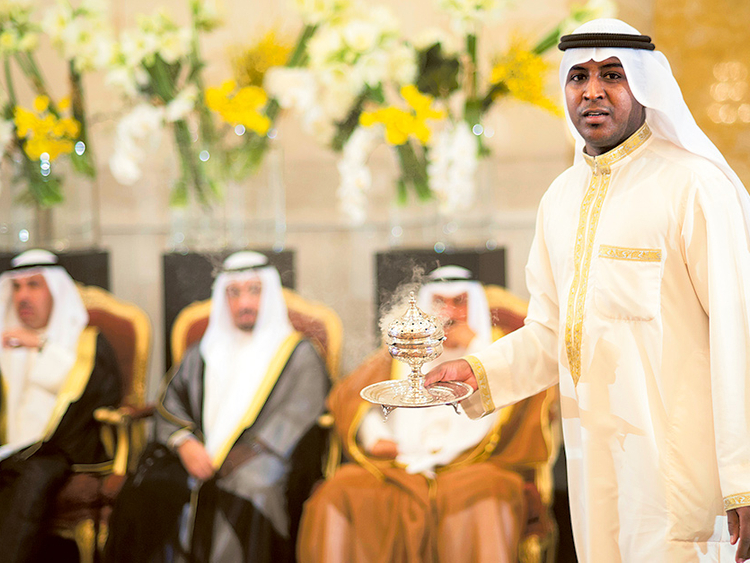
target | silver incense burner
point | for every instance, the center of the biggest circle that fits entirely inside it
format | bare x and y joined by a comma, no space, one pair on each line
415,338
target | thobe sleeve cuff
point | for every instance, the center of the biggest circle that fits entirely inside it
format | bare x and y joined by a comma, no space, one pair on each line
481,402
736,501
180,437
734,485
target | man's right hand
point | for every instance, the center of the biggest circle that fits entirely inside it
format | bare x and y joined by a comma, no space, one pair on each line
195,459
455,370
385,449
21,337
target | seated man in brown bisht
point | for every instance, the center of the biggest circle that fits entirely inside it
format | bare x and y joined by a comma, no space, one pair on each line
227,424
400,499
55,372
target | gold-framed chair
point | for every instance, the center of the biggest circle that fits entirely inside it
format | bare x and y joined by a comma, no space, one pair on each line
83,505
539,538
322,327
318,322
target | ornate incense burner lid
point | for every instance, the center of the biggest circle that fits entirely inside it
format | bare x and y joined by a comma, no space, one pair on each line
415,336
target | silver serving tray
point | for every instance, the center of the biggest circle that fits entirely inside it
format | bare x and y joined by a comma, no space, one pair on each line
392,394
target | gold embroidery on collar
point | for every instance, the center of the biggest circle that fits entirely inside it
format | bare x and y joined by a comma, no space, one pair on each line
634,254
737,501
603,163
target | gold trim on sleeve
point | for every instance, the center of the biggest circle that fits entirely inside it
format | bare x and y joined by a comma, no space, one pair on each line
634,254
482,383
736,501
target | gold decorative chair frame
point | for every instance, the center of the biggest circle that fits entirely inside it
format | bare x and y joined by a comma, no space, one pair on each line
318,322
539,539
83,505
322,327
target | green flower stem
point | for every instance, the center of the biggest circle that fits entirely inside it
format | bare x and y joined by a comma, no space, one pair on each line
32,72
474,105
300,49
191,169
346,127
160,80
495,91
9,83
208,131
85,162
548,41
471,49
413,172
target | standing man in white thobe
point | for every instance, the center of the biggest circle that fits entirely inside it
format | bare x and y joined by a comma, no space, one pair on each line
639,276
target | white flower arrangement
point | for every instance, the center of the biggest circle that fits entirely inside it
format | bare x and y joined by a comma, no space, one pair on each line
206,14
158,64
81,35
355,49
355,177
314,12
18,33
182,104
156,35
138,133
451,167
468,15
297,89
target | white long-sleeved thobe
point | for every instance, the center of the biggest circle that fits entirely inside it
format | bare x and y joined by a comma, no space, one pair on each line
639,277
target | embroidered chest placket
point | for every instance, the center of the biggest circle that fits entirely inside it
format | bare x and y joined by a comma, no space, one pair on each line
588,222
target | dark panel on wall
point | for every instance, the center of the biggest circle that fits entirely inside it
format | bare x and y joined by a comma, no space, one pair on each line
396,267
90,267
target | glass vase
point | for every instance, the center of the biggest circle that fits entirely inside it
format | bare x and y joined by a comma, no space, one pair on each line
72,224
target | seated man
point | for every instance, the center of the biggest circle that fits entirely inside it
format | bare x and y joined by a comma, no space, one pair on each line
55,372
226,426
400,500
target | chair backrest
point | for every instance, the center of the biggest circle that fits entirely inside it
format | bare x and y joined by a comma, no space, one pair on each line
507,311
319,323
128,329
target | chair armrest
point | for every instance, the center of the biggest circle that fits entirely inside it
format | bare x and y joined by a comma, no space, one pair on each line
325,420
122,419
333,456
124,414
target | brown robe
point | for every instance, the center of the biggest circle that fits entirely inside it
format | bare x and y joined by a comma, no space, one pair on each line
473,510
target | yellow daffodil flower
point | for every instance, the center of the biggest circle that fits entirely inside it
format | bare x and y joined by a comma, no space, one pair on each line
43,132
523,72
239,107
400,124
